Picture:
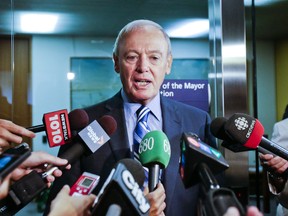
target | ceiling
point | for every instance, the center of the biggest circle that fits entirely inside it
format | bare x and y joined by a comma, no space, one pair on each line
104,18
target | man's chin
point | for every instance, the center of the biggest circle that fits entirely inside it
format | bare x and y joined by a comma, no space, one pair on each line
143,97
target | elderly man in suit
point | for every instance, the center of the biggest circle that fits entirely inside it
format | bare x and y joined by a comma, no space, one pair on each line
142,56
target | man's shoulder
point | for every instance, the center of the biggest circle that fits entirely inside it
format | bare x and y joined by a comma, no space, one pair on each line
99,109
282,124
181,106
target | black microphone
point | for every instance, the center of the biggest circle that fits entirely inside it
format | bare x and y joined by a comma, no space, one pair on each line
90,138
218,130
22,191
195,152
196,158
246,131
123,188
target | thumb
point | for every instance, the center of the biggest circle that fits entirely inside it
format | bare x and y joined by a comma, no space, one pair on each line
65,189
145,191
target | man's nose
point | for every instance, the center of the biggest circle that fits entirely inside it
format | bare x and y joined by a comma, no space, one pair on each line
143,64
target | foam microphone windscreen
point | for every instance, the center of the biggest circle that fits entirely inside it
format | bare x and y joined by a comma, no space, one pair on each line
244,130
78,119
135,168
155,149
217,127
108,123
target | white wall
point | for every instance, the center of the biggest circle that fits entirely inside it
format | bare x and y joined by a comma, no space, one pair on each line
51,62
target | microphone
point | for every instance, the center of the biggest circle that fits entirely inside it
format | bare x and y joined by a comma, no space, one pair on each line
247,131
22,191
57,125
217,129
90,138
114,210
195,152
154,153
196,158
122,188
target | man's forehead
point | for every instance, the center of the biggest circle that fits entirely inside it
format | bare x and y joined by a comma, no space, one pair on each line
153,44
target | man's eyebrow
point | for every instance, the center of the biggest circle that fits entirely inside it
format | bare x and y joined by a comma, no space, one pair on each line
155,51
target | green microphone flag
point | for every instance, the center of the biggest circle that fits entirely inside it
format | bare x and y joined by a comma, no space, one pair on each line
155,148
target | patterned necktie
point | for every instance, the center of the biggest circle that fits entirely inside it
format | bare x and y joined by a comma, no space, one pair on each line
141,128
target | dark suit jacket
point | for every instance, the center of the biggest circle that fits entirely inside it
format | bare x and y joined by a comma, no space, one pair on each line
177,118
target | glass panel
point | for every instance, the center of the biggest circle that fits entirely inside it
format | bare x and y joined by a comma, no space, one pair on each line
188,82
6,58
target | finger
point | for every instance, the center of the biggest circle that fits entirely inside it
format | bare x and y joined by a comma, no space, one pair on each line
232,211
38,158
10,137
4,143
145,191
4,186
265,156
65,189
16,129
57,173
50,178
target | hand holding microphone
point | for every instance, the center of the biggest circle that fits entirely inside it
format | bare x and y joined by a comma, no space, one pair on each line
245,132
32,164
242,132
64,204
156,199
37,162
154,153
21,192
11,132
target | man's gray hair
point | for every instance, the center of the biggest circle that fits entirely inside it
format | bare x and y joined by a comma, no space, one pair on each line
137,24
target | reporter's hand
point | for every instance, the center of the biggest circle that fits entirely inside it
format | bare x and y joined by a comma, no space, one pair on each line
10,132
64,204
251,211
4,186
36,161
156,200
276,164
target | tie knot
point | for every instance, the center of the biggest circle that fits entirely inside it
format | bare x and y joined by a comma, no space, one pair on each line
142,113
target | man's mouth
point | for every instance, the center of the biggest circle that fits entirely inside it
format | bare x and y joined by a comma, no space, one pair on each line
143,82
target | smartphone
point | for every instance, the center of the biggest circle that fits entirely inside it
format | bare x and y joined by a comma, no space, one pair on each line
85,184
12,158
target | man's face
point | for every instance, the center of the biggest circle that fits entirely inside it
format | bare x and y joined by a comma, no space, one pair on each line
142,63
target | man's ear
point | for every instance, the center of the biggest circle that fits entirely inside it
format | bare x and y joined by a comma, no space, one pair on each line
169,64
116,63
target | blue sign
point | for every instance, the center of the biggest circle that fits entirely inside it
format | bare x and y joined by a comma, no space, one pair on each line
192,92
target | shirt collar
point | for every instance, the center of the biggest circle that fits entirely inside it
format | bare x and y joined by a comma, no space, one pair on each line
154,105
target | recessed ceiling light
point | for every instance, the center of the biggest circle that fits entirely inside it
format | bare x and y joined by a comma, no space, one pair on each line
70,75
38,22
189,29
261,2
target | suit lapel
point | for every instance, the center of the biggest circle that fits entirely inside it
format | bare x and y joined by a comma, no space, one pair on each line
119,140
172,128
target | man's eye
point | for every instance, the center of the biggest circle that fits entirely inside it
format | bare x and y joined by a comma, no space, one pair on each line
154,58
131,58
